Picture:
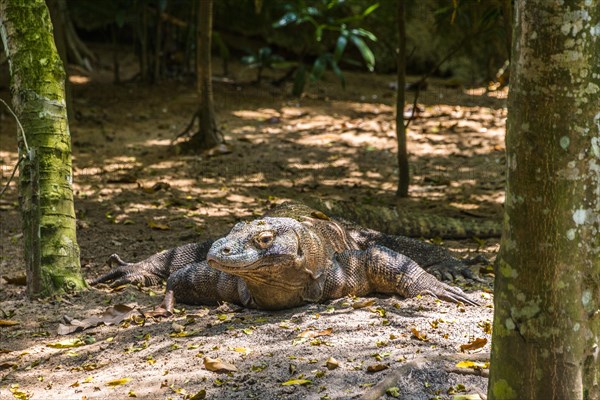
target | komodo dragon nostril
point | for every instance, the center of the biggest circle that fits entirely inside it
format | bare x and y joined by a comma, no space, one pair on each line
226,250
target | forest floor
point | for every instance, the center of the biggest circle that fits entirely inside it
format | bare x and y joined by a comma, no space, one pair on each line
137,194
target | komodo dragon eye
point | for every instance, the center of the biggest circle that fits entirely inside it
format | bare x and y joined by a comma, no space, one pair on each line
264,239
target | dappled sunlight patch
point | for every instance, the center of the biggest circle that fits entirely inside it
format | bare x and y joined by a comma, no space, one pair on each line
258,115
79,79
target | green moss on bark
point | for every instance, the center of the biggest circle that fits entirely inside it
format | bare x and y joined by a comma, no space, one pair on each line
46,194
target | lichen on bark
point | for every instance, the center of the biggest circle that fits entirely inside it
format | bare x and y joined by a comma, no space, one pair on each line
546,337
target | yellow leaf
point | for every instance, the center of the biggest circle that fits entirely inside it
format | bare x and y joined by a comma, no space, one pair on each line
117,382
88,379
245,351
363,303
19,394
65,344
296,382
473,364
131,394
7,322
216,365
474,345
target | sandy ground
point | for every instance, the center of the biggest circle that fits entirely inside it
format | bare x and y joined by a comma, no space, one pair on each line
330,144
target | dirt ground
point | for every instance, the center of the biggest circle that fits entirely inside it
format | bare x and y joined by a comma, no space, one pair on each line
330,144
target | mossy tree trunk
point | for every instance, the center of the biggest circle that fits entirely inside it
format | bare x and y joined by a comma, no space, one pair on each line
402,156
208,134
546,342
45,182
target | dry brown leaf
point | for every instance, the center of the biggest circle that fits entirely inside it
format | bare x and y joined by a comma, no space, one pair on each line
377,367
474,345
308,334
332,363
419,335
216,365
111,316
8,322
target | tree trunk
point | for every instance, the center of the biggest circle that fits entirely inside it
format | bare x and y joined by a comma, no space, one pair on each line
58,16
208,134
547,303
403,171
45,176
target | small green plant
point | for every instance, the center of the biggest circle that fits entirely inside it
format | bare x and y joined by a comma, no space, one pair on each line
329,17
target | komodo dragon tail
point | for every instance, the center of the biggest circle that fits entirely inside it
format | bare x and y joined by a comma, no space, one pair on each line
395,221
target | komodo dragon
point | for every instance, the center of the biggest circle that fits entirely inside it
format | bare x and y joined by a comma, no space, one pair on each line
292,256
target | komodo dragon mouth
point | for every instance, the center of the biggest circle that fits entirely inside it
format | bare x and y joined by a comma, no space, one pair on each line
236,267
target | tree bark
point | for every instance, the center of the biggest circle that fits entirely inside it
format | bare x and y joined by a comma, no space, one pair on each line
45,175
547,302
208,135
402,156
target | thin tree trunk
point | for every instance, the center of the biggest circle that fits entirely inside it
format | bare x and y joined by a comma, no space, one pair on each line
546,342
208,134
45,176
403,169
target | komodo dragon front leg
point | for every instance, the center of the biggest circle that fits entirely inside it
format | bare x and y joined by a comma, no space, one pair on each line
155,268
381,270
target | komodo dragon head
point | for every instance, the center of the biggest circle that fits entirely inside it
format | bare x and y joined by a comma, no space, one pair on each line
281,260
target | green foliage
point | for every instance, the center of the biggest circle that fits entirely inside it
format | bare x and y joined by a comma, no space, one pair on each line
328,19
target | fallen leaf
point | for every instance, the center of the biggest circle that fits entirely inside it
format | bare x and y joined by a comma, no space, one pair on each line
312,334
394,391
8,322
117,382
19,394
111,316
218,150
474,345
466,397
296,382
473,364
158,225
419,335
363,303
332,363
377,367
65,344
216,365
244,350
201,395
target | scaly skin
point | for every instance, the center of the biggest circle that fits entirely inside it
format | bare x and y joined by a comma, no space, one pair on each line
290,257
